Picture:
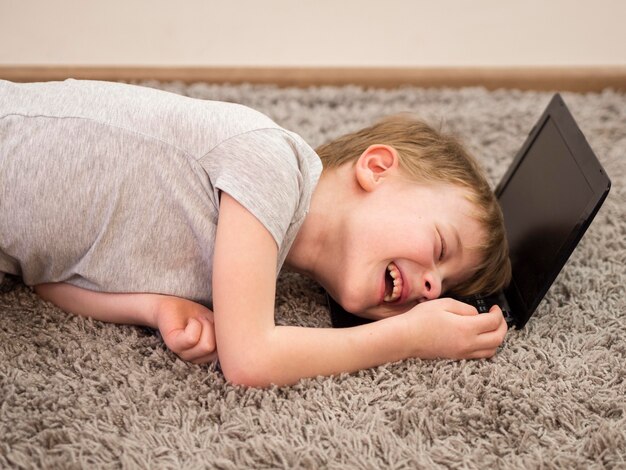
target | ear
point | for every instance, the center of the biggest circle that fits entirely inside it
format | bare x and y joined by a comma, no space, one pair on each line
374,165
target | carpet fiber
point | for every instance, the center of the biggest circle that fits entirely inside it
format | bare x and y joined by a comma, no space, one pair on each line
76,393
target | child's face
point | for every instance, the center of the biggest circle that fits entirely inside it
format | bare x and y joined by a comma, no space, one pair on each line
405,243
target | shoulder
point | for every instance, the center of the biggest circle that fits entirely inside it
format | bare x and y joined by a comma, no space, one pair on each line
272,147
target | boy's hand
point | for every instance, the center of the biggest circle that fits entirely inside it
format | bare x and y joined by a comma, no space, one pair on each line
187,329
447,328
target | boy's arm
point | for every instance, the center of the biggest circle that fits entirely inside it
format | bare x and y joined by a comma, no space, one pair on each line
186,327
130,309
256,352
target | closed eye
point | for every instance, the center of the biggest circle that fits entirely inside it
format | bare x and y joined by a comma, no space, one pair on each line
442,242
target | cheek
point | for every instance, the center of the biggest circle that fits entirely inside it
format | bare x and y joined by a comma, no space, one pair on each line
419,248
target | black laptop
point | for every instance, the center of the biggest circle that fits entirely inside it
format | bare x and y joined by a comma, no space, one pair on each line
549,196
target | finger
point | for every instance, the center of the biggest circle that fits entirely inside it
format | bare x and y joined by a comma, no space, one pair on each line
205,345
458,307
498,312
496,308
483,354
494,338
490,321
208,314
187,338
205,359
490,341
207,338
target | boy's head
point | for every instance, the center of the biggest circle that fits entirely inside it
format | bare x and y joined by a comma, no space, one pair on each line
436,160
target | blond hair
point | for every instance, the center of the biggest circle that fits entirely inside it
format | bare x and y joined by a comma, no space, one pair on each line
428,155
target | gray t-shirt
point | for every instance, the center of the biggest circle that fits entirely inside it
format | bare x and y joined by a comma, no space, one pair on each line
115,188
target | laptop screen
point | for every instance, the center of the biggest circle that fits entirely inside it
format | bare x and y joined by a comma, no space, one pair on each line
544,204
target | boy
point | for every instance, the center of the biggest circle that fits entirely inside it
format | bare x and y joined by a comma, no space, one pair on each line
133,205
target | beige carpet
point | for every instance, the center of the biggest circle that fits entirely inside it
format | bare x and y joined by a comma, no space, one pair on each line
80,394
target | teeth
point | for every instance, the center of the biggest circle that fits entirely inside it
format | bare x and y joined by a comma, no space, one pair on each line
397,283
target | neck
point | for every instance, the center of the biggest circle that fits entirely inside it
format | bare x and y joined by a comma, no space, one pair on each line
317,240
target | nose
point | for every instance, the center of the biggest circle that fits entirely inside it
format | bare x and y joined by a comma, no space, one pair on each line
431,287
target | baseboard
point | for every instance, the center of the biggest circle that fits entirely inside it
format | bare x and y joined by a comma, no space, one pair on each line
578,79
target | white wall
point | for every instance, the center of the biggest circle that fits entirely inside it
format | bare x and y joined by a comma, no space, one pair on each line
313,32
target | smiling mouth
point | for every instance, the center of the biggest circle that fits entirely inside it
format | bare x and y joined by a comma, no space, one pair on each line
393,283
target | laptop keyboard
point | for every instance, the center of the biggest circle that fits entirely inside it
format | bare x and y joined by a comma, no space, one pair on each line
484,302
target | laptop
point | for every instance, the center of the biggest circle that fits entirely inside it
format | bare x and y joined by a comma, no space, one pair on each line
549,196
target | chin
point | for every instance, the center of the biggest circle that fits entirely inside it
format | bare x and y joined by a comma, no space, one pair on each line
352,306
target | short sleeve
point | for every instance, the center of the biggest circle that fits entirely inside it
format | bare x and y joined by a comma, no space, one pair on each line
261,170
